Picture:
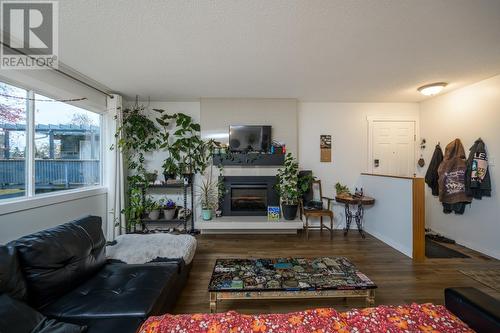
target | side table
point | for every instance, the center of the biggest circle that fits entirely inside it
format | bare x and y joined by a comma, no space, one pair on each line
359,202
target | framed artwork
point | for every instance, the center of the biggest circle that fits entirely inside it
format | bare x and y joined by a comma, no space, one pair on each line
273,213
325,146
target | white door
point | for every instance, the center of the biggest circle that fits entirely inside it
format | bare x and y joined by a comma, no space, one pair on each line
393,148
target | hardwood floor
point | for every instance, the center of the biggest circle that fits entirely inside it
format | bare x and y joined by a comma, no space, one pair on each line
399,280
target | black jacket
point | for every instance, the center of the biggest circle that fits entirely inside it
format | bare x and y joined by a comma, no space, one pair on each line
431,176
477,177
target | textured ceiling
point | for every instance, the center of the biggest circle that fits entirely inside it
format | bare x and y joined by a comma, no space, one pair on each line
331,50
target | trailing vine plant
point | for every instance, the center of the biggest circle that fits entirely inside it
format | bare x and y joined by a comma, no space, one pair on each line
137,135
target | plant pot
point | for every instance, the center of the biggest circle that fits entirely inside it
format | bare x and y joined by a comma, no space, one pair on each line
169,214
154,215
206,214
168,176
290,211
151,177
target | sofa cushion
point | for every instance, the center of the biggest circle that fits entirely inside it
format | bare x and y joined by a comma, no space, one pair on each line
118,290
111,325
57,260
18,317
11,278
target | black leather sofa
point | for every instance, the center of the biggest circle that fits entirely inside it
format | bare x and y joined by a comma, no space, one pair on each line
475,308
63,273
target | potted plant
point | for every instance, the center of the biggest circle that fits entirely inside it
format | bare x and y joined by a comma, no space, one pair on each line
209,197
288,188
170,164
136,136
169,209
152,208
170,169
151,176
341,189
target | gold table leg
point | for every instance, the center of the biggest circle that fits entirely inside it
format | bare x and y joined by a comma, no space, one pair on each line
213,302
370,298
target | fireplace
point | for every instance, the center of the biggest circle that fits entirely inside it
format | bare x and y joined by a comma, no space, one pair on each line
249,195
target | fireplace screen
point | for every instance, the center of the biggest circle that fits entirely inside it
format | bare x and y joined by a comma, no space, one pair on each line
247,198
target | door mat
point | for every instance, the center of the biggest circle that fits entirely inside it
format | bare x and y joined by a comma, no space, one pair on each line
490,278
435,250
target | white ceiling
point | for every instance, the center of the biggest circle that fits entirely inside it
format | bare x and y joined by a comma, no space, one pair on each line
313,50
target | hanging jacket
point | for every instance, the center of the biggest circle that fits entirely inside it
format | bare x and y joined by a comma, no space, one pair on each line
477,178
431,176
451,180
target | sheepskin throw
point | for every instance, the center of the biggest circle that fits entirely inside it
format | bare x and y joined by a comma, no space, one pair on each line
140,249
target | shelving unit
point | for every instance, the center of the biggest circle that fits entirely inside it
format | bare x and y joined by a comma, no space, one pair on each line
188,189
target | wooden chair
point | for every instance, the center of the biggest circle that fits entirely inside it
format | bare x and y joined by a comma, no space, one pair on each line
318,212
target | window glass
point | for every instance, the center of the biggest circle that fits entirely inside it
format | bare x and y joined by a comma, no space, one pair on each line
67,146
12,141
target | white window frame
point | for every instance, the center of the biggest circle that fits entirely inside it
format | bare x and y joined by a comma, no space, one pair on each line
31,200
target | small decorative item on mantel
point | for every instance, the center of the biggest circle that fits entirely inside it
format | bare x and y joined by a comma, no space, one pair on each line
273,213
325,148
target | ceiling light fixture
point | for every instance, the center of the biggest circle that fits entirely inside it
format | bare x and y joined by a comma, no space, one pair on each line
432,89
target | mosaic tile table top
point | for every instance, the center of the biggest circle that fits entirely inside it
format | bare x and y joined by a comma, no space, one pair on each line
289,274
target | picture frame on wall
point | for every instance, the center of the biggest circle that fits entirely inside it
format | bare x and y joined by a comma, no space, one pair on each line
325,146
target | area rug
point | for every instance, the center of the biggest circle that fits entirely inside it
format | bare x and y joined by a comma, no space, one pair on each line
434,250
490,278
405,318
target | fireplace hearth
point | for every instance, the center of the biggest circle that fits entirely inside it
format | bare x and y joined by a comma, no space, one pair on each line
249,195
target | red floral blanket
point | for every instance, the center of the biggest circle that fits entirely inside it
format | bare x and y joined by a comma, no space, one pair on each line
407,318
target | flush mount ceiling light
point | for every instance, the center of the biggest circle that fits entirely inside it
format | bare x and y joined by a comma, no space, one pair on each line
432,89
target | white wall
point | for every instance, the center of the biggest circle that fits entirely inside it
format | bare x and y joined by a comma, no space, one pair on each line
390,219
467,113
24,222
347,124
217,114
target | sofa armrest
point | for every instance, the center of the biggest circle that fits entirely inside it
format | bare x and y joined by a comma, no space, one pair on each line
477,309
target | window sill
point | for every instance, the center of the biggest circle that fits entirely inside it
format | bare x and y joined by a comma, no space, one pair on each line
17,205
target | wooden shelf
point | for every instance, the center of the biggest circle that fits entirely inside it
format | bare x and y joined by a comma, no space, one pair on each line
147,220
171,185
249,159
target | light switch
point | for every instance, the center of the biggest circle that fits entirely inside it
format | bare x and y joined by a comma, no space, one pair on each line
491,161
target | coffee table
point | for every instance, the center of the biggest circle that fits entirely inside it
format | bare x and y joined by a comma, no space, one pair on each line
288,278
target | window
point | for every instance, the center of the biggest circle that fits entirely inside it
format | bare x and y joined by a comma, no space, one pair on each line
12,141
65,144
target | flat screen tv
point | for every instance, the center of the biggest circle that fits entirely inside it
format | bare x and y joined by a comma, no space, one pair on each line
249,138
